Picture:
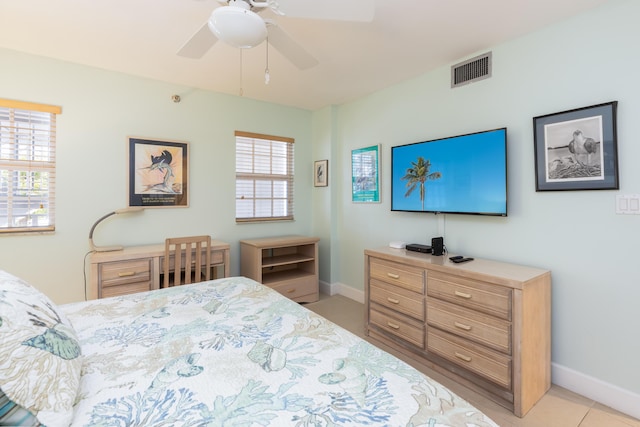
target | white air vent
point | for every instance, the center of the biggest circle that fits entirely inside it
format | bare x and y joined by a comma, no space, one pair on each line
472,70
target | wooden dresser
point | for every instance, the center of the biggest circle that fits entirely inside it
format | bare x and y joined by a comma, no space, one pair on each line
485,324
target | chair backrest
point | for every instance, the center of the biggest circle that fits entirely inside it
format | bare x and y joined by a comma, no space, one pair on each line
184,257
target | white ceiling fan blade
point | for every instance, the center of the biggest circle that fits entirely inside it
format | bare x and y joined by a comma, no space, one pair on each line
337,10
199,43
291,50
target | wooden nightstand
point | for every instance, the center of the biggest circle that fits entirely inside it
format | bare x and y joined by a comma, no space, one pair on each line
288,264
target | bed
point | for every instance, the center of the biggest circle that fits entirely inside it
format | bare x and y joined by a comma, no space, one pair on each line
228,352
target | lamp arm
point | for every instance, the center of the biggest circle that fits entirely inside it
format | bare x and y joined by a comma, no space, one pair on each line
95,248
98,222
130,209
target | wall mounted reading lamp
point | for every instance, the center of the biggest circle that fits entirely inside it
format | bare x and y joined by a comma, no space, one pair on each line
116,212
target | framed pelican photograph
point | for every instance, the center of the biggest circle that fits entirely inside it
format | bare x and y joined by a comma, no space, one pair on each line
577,149
158,173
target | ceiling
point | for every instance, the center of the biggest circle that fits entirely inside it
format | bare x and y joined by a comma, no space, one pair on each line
405,39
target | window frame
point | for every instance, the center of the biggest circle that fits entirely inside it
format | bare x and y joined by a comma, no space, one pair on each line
33,161
262,177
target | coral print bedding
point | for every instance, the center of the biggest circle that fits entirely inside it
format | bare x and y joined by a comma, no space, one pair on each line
228,352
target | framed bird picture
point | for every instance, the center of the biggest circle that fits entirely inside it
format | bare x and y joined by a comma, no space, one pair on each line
158,173
321,173
577,149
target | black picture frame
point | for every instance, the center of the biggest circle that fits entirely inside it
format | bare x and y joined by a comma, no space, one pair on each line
158,173
577,149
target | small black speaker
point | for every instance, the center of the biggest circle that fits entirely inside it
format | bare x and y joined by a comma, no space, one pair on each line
437,246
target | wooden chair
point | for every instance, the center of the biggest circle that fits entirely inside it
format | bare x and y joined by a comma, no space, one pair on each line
188,264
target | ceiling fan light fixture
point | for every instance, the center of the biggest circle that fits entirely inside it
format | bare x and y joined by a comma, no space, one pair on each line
238,26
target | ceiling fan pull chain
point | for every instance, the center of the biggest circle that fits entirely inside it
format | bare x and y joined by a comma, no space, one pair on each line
267,77
241,90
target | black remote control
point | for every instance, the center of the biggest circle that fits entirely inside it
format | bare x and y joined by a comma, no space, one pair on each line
453,258
459,260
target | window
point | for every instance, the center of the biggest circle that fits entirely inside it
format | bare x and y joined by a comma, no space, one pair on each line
264,177
27,166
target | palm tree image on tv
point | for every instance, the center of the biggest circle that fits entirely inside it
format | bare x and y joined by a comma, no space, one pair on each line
417,176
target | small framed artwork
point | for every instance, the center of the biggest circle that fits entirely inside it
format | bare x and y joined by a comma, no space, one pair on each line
321,173
365,175
577,149
158,173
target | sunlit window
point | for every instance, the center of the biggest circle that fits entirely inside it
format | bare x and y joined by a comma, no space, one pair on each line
27,166
264,177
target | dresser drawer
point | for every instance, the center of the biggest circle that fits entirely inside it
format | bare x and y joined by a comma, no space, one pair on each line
397,298
217,257
402,327
296,288
489,364
401,275
124,277
470,324
130,288
484,297
123,272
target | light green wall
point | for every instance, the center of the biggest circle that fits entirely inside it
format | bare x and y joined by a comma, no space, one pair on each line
323,136
591,251
100,110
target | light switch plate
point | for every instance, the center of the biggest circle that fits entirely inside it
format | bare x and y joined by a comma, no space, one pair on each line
628,204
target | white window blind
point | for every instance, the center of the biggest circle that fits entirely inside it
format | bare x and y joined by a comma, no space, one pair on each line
27,166
264,177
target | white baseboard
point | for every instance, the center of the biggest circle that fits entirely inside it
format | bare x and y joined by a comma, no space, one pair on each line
341,289
608,394
327,288
354,294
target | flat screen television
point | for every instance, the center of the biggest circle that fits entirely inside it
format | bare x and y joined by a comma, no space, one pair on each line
465,174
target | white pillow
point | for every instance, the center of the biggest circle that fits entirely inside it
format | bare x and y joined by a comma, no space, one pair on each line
40,359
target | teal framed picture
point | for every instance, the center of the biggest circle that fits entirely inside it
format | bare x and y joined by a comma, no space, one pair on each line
365,175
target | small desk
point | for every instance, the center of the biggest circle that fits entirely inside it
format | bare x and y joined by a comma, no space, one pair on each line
138,268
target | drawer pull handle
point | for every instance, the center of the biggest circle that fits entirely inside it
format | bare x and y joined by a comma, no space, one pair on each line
463,357
462,326
393,325
463,295
126,273
393,300
290,291
393,276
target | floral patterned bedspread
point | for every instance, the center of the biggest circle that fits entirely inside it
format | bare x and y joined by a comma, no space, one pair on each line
232,352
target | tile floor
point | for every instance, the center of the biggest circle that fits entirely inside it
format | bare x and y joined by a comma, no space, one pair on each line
558,408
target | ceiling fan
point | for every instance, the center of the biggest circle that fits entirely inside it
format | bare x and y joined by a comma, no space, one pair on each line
237,24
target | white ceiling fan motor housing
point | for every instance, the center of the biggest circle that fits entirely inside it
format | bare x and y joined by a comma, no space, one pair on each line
237,25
